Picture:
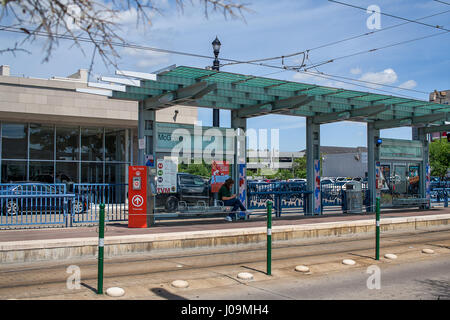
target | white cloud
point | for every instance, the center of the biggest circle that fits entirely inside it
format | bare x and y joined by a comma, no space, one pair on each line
387,76
146,58
410,84
303,77
355,71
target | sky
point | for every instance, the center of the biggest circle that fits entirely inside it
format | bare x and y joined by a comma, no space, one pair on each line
274,28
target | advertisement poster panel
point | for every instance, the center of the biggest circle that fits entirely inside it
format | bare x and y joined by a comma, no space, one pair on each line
220,171
242,184
317,196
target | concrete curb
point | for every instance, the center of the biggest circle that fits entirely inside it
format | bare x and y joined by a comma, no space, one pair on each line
59,249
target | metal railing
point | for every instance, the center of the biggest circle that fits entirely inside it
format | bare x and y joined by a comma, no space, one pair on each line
34,204
89,196
291,196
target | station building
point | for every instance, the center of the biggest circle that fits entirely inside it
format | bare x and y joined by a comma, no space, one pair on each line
50,132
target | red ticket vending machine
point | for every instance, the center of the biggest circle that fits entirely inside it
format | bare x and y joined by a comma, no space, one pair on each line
137,197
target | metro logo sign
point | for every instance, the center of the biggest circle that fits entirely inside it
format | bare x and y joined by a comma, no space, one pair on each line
137,201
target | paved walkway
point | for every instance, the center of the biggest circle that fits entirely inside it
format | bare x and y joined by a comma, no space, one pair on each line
162,227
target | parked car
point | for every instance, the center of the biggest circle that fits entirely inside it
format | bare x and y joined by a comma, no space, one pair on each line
190,188
16,204
297,180
326,182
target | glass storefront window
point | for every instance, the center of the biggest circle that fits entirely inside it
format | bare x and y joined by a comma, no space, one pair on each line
114,144
92,144
42,171
13,171
14,141
91,172
67,140
66,172
62,154
41,142
115,173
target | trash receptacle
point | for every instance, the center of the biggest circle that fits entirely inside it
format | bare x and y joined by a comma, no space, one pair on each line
353,197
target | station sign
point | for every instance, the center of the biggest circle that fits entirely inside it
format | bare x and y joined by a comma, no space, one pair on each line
166,175
137,197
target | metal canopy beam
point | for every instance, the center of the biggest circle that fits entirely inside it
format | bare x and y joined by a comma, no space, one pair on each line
350,114
192,92
274,106
429,118
445,127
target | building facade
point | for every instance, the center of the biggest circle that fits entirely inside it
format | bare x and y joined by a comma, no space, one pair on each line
344,161
49,132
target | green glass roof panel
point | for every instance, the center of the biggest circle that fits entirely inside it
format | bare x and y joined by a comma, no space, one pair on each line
347,94
235,91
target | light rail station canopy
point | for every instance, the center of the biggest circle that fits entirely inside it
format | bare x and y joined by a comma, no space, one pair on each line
252,96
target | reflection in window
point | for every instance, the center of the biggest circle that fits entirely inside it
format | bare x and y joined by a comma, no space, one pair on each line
91,172
42,171
115,144
67,143
14,141
66,172
92,144
41,142
13,171
115,173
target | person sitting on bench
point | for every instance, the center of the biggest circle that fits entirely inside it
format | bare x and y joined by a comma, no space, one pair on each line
230,200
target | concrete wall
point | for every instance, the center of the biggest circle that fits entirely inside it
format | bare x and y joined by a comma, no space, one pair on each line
345,165
56,101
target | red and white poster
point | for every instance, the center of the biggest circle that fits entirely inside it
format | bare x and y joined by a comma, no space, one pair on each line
220,171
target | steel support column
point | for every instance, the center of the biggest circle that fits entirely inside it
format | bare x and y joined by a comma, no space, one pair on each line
422,136
240,155
373,156
313,165
146,133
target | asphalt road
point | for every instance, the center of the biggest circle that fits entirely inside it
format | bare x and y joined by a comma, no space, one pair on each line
212,274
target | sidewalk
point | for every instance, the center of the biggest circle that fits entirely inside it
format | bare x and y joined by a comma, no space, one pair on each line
65,243
121,229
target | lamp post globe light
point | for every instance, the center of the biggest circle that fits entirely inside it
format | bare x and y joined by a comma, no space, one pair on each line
216,49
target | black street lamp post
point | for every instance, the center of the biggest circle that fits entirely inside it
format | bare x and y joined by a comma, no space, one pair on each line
216,48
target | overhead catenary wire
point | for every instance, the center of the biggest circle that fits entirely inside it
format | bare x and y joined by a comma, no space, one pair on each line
339,41
393,16
377,49
443,2
140,47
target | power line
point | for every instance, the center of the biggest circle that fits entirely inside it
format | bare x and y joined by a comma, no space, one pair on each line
378,49
374,83
330,77
342,40
443,2
392,16
139,47
375,31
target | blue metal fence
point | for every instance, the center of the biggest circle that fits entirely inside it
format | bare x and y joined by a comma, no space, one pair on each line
333,194
40,205
35,204
89,196
284,195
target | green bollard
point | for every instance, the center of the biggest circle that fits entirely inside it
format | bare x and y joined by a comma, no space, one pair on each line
101,244
269,238
377,240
